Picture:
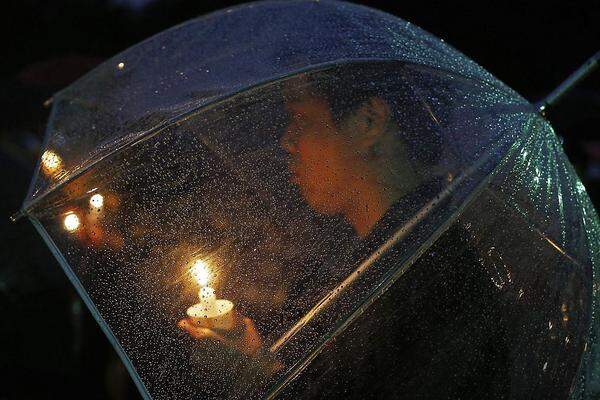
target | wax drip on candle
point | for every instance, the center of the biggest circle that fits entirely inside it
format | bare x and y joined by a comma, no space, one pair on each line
210,312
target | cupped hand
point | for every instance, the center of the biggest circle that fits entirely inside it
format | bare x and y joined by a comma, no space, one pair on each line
249,343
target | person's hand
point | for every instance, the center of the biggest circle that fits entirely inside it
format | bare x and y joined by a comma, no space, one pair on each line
249,343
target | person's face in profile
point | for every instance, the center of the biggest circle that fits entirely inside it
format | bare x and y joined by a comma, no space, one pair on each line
329,159
321,162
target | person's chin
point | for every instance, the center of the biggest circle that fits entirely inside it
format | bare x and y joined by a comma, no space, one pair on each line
320,206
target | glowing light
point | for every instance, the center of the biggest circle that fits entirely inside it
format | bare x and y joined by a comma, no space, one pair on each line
201,272
121,65
97,200
210,312
51,162
71,222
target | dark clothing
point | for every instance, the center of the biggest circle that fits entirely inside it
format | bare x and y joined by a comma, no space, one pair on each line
476,316
436,333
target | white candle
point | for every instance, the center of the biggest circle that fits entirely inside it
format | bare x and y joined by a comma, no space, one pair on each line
208,297
210,312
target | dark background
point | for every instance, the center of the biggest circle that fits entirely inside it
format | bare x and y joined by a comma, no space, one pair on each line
50,347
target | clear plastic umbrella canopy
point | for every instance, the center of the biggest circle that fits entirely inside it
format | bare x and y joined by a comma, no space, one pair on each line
317,199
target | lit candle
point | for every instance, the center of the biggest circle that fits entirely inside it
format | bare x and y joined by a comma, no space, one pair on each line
71,222
51,162
96,204
210,312
97,201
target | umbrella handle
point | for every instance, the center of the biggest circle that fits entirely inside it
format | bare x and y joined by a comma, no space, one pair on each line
569,83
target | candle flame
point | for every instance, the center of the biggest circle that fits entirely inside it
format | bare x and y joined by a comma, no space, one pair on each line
71,222
97,200
51,162
201,272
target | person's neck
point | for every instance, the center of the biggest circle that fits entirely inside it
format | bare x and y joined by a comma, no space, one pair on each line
366,207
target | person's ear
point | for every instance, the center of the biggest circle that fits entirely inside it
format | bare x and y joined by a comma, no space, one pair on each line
370,121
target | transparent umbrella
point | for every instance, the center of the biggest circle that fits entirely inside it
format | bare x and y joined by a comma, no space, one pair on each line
311,199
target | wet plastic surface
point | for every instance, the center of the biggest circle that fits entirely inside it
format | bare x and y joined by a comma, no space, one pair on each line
383,186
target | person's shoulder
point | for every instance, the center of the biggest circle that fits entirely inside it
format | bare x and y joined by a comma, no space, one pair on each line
403,209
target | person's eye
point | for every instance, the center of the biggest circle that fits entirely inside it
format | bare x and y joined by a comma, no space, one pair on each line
304,123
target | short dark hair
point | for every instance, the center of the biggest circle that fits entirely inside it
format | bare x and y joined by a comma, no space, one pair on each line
347,86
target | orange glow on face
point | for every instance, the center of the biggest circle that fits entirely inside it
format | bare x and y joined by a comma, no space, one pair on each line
322,162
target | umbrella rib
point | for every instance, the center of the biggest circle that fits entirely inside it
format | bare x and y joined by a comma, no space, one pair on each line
389,280
399,234
151,132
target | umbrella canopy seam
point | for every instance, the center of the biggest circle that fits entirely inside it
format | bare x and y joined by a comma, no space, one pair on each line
393,276
149,133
